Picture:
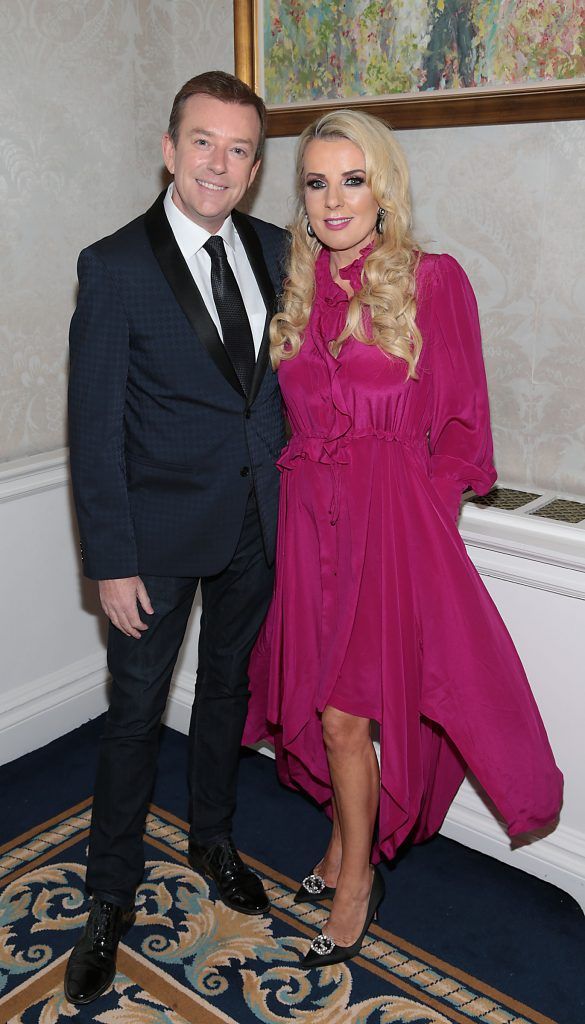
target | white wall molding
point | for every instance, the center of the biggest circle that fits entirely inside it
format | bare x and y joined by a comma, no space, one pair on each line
37,712
542,540
528,572
33,474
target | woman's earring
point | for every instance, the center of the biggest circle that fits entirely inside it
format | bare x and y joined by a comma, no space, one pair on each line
380,221
310,230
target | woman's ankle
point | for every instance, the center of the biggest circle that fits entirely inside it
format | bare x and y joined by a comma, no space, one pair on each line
355,885
329,867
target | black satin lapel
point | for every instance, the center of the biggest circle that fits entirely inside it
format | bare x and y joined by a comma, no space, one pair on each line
175,269
253,248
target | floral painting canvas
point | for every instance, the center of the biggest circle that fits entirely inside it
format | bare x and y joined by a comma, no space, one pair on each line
328,49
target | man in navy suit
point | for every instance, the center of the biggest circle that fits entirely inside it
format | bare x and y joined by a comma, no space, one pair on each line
175,427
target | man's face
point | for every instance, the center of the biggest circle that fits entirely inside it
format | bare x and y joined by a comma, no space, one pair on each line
214,159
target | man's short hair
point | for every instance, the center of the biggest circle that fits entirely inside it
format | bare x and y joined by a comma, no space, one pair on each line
222,86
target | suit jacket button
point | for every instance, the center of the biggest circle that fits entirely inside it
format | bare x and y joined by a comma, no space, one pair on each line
248,413
244,471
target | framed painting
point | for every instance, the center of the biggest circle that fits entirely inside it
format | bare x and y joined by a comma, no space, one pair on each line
415,63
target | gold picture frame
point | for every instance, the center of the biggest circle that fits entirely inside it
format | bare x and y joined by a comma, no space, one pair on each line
549,101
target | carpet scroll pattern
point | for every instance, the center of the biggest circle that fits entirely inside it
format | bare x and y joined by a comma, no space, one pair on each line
190,958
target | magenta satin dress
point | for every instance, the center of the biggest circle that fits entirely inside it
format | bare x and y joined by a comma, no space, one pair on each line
377,608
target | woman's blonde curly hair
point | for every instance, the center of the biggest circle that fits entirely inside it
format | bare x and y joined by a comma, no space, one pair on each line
388,276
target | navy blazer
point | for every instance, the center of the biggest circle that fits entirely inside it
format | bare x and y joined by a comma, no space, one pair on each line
164,445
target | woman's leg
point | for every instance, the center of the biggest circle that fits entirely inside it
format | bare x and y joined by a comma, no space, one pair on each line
330,864
356,785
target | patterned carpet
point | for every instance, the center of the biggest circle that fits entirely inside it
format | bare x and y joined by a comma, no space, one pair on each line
189,958
192,959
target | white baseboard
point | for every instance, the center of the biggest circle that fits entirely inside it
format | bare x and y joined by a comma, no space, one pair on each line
178,713
38,712
558,858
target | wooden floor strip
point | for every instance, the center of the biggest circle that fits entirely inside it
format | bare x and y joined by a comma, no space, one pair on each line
33,990
25,836
44,857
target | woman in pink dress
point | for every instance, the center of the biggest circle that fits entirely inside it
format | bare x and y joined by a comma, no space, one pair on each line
378,614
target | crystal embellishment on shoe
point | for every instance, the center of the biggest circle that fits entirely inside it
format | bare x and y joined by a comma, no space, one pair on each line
323,951
314,884
313,889
322,944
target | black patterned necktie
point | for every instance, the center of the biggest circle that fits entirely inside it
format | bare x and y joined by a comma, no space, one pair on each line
235,326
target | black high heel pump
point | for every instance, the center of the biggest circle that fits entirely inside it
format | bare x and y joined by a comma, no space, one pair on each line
323,951
313,890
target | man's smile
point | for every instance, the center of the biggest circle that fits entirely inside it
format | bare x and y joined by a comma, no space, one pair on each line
210,185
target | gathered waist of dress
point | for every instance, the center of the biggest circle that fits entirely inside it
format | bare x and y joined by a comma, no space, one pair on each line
326,449
335,453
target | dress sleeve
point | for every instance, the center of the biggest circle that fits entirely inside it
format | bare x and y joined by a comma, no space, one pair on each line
460,436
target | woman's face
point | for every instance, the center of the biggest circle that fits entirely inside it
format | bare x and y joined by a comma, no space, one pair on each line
340,206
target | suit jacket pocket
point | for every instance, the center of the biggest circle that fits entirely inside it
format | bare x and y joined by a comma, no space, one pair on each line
153,484
171,467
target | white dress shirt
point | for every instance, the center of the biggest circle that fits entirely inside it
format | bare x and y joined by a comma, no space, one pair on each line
191,238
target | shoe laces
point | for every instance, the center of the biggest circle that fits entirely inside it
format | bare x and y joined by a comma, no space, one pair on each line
227,854
103,925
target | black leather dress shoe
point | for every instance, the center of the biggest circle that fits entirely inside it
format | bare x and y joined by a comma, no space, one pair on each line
239,888
92,964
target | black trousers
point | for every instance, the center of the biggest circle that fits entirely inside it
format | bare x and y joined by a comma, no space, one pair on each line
234,605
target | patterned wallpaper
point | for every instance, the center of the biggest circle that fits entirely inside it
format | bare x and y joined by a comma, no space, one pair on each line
85,91
85,94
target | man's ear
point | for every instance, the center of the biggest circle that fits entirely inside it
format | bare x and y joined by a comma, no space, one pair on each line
168,149
254,171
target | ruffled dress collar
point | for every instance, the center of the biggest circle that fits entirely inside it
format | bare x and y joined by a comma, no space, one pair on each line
327,289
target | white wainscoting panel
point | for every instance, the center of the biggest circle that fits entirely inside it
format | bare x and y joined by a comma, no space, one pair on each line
54,673
51,636
52,631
